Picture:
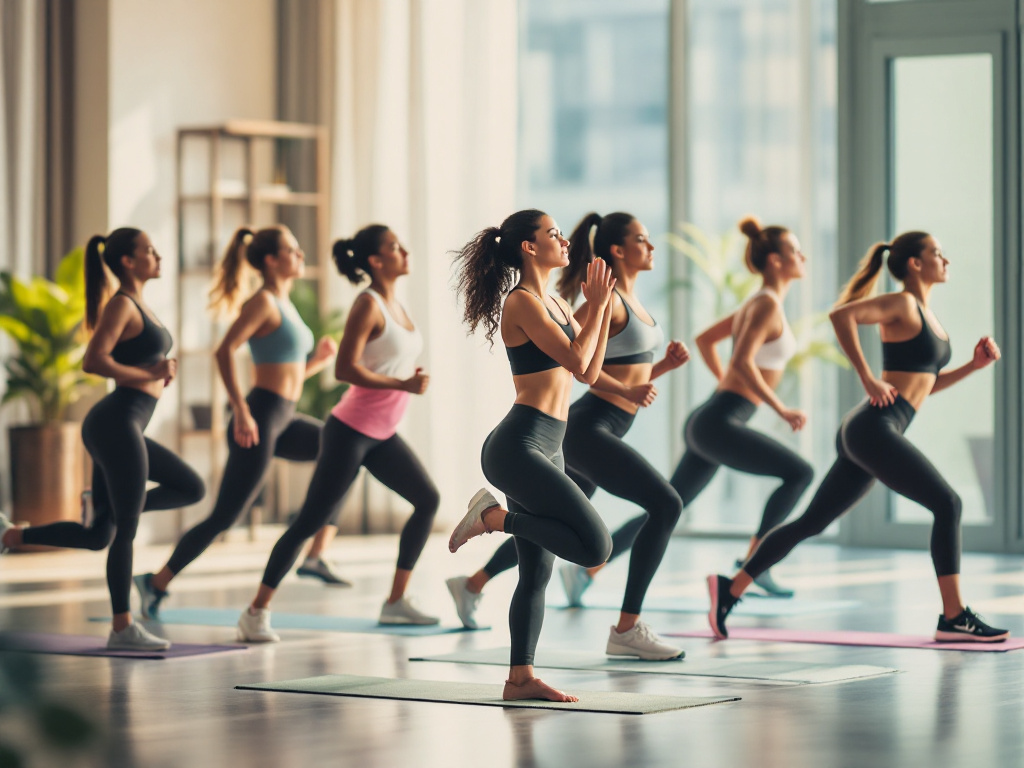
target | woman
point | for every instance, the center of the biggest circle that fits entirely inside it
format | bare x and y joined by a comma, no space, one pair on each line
871,442
378,357
547,512
264,423
129,346
716,433
595,453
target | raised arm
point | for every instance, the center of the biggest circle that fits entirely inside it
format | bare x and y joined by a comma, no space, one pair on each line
99,358
363,319
707,344
879,310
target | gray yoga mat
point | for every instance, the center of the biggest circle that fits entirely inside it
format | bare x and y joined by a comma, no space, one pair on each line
90,645
769,670
762,607
482,694
228,617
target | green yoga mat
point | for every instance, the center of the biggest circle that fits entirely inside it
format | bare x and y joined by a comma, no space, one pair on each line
771,670
228,617
483,695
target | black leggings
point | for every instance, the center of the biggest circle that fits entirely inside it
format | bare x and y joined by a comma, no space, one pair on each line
281,434
871,447
717,435
342,451
596,456
123,460
548,514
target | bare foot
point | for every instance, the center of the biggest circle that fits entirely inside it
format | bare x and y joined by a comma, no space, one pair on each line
534,688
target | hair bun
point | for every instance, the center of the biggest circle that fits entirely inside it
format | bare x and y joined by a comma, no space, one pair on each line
750,227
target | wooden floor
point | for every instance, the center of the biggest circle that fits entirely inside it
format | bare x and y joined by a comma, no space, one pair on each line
943,709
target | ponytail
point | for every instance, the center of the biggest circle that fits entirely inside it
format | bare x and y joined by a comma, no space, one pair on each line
246,249
901,250
581,252
490,264
103,254
352,256
607,231
762,242
862,284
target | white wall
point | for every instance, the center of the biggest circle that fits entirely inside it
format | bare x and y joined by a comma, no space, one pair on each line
169,64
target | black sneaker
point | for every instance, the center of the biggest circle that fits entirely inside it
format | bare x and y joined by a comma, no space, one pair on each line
149,596
721,603
968,628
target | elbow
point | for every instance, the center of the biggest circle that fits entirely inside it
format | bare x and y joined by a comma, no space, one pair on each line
590,379
343,372
89,365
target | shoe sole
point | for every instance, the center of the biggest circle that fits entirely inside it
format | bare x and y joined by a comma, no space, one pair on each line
471,516
408,623
452,585
622,650
963,637
242,638
713,613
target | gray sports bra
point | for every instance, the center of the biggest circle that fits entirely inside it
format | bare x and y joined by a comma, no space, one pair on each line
636,342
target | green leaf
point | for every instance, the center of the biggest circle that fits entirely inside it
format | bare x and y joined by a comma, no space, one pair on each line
71,273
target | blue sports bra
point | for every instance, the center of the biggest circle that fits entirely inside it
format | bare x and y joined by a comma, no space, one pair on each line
148,348
528,357
635,343
925,353
290,342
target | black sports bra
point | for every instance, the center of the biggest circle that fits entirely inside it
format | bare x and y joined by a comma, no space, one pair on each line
148,348
925,353
528,357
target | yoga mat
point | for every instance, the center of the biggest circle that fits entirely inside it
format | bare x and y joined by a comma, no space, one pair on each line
876,639
90,645
482,694
767,670
228,617
764,607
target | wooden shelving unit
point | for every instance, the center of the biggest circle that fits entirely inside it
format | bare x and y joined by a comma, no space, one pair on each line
242,172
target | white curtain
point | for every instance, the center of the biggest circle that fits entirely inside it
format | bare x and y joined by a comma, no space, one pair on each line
424,140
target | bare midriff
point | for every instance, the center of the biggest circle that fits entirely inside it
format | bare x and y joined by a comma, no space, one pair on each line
548,391
913,387
631,375
151,388
734,382
283,379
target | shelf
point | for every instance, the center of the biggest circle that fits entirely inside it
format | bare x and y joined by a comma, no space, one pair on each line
311,199
268,129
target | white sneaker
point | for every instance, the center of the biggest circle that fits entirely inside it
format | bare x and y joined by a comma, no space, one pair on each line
136,637
480,503
641,641
255,627
402,611
576,581
466,602
5,526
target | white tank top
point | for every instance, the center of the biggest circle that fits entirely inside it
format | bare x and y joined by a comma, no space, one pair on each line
394,352
773,355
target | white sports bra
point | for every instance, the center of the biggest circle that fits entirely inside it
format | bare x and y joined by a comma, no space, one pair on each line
394,352
773,355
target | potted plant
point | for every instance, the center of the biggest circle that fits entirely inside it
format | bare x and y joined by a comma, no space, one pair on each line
44,319
317,396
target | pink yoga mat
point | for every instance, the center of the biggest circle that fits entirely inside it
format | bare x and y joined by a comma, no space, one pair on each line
877,639
90,645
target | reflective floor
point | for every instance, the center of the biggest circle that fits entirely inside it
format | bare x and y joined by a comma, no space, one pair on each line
943,708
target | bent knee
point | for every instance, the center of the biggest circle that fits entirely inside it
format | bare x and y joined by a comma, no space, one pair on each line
802,475
428,502
598,549
195,489
950,507
100,537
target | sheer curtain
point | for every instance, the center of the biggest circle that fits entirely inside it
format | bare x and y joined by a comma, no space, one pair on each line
424,140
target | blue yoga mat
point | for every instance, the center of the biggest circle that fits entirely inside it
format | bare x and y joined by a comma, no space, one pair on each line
763,607
228,617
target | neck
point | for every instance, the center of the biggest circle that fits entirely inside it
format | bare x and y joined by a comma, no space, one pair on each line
919,291
280,287
386,288
132,286
534,278
777,284
625,281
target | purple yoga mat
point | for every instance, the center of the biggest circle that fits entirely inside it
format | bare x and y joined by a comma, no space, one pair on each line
877,639
90,645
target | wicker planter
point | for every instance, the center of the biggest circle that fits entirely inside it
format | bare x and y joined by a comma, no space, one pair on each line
47,473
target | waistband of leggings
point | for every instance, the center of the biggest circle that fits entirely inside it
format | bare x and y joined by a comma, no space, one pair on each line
732,401
590,407
901,410
532,422
261,395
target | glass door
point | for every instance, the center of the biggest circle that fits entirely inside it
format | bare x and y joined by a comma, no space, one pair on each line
939,156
